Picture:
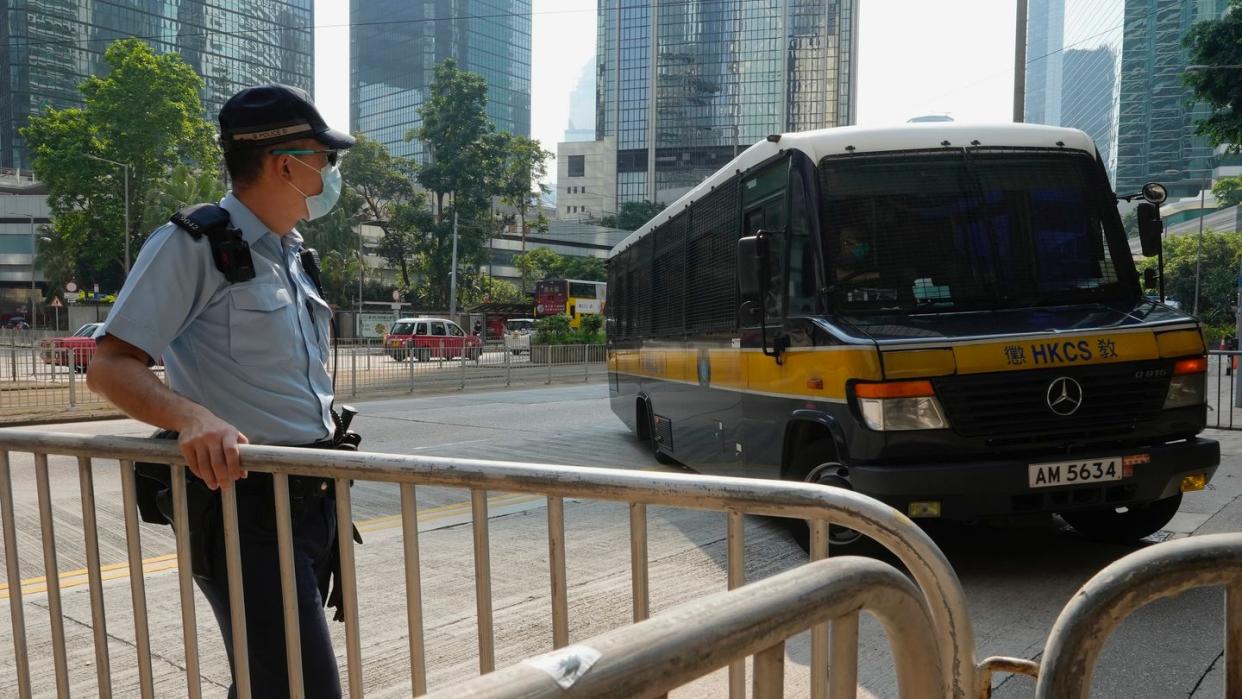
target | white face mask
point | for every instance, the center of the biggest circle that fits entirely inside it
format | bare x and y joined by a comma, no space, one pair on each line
318,205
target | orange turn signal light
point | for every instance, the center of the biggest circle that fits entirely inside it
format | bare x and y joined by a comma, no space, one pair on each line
894,389
1192,365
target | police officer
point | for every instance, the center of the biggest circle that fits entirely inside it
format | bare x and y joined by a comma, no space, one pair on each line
245,350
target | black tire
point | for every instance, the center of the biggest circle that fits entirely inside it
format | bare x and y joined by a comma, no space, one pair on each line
806,465
422,355
516,352
1123,525
399,355
474,354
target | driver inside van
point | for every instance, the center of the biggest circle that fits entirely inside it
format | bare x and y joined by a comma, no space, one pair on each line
856,257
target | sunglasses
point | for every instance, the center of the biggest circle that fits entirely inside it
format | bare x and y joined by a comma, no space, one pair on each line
332,154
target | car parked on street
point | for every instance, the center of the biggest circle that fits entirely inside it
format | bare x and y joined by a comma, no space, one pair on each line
430,338
75,350
517,334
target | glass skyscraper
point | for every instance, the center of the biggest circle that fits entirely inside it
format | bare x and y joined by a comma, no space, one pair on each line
47,47
683,85
395,46
1113,68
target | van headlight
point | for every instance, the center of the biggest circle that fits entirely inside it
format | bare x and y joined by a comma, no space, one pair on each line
1188,386
900,405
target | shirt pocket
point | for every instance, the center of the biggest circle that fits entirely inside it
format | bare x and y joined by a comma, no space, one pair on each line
260,325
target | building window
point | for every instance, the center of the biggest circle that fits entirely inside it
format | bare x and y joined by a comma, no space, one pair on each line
577,166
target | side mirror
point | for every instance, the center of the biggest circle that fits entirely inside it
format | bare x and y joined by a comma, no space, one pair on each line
1155,193
752,268
1150,228
1149,278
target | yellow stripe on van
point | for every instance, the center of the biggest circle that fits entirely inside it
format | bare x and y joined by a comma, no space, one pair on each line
802,373
1179,343
1054,351
916,364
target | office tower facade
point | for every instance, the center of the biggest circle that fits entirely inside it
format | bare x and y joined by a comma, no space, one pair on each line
48,47
683,86
395,46
1114,68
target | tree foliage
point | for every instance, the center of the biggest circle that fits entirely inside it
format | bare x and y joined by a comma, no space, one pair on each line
544,263
1218,273
1218,43
144,112
1228,191
524,166
632,215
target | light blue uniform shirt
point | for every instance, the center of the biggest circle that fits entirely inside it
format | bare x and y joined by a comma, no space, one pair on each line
250,352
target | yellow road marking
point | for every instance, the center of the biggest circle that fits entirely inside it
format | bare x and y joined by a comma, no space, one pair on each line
168,561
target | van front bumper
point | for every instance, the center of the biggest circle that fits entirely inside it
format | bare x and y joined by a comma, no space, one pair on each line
995,488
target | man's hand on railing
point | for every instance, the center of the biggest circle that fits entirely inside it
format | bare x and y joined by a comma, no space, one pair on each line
209,446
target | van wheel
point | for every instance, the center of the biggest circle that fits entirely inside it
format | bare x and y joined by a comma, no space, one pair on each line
1123,525
818,462
422,355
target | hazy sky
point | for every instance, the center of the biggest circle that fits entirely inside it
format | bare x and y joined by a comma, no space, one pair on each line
915,57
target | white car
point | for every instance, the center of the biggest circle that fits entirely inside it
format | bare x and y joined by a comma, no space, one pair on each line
517,334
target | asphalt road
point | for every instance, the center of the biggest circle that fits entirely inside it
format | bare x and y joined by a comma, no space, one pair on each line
1017,578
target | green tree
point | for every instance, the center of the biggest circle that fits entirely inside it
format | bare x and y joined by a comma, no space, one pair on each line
1218,273
1218,43
465,169
145,112
1228,191
385,186
183,187
455,135
521,186
632,216
1129,222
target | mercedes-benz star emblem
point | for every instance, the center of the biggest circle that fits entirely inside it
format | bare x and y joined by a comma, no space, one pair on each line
1064,396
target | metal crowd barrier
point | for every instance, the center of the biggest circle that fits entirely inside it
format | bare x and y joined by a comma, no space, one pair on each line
941,594
45,378
1160,571
682,644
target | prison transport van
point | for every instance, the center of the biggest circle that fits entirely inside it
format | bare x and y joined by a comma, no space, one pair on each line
945,317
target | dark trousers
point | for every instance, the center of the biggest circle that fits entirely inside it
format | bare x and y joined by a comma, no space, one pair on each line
314,532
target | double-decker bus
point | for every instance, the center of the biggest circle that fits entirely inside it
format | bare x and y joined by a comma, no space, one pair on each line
572,297
945,317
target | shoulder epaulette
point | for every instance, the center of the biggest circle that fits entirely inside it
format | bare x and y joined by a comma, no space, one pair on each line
230,253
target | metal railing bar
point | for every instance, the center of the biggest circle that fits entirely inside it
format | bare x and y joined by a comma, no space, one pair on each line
185,580
288,585
1233,639
1164,570
349,586
556,569
237,600
16,611
693,639
51,573
769,673
889,528
137,588
413,590
736,543
638,561
99,619
819,633
843,681
483,581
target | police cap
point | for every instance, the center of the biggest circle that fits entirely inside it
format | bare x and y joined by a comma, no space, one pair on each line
267,114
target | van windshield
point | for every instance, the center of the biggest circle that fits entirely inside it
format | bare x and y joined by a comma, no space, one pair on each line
519,325
402,329
950,231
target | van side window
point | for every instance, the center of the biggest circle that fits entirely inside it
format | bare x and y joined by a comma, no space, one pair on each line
437,329
803,273
421,330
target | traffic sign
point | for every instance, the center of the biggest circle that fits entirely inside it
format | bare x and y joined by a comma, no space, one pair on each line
56,302
396,306
396,294
71,287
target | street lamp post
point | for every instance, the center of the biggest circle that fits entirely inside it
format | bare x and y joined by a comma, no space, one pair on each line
126,166
34,248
